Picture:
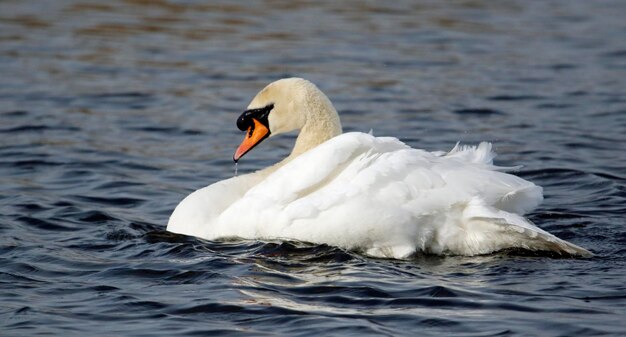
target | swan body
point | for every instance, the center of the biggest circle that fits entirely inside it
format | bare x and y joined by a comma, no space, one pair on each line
359,192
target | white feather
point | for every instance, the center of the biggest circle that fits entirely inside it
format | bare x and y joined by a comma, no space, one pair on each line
378,196
372,194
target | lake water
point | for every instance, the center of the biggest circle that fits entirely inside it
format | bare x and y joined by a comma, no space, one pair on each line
112,111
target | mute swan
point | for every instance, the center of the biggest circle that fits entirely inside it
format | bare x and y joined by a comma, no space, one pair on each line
371,194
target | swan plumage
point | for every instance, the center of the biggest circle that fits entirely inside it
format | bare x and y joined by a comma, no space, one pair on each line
359,192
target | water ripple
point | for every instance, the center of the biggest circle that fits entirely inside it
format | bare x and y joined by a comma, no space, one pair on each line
112,112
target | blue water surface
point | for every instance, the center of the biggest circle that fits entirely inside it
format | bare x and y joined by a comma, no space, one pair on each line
111,112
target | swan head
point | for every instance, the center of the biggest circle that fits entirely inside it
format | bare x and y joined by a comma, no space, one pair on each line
283,106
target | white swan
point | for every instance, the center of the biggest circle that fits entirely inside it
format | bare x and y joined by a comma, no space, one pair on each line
360,192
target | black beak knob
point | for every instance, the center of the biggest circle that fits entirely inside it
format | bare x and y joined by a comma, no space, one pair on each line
244,122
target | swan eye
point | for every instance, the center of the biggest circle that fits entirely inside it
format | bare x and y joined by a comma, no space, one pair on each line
244,122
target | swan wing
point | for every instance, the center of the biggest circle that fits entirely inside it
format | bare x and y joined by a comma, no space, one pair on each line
382,197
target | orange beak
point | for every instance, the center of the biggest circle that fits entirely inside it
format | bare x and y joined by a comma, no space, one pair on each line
254,136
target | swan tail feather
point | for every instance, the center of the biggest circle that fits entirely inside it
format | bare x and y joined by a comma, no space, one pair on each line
499,230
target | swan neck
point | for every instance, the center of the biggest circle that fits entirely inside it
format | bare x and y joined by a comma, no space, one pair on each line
310,136
321,126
